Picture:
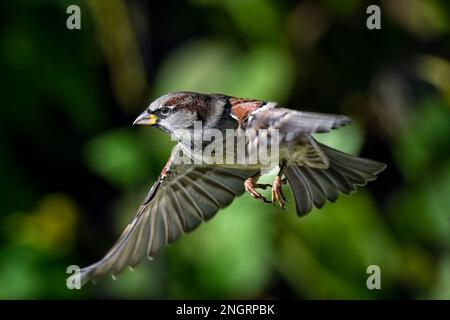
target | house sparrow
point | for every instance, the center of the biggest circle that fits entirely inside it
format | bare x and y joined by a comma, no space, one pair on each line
187,194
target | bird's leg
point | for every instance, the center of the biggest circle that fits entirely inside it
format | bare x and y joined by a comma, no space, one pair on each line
277,195
251,186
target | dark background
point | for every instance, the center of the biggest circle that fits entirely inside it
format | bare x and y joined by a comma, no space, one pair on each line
74,170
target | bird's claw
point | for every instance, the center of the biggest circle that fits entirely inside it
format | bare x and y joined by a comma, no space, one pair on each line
251,186
277,195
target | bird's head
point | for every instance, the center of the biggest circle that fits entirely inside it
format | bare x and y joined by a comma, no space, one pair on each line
180,110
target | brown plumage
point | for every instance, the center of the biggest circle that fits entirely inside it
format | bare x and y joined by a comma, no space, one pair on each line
242,108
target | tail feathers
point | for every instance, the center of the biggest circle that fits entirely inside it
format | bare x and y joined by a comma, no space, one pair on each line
313,187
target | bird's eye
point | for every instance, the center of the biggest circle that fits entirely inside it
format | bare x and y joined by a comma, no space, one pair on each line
165,111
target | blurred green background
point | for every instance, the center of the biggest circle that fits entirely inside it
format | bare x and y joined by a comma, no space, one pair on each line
74,170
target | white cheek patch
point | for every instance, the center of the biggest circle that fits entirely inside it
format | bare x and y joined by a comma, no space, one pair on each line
178,120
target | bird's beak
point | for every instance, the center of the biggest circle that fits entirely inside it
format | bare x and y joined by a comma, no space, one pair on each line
146,119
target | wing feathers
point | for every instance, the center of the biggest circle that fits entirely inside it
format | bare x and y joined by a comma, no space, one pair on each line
176,204
197,212
178,216
204,192
217,184
291,123
344,173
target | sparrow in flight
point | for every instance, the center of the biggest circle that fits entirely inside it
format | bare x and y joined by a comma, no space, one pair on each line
186,194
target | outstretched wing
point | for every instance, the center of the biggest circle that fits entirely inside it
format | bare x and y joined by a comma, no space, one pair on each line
183,197
289,126
257,114
292,123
